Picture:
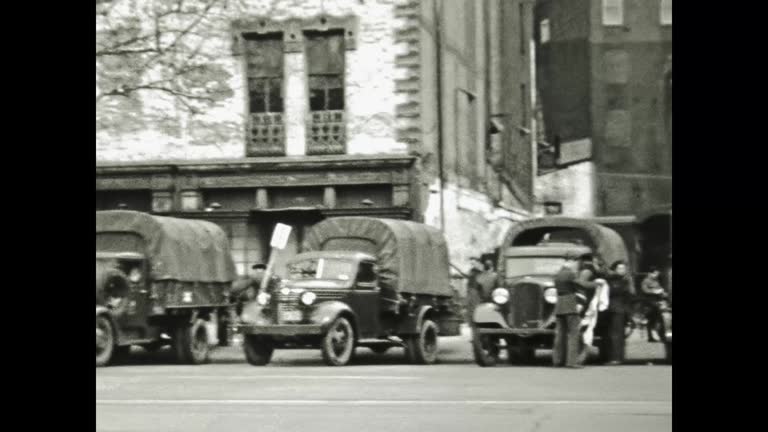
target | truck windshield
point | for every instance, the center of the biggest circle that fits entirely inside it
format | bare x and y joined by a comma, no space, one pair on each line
322,268
526,266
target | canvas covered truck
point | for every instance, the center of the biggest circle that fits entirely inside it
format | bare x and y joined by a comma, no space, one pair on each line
518,315
360,282
159,281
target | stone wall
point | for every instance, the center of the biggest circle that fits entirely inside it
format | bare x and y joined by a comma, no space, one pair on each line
220,133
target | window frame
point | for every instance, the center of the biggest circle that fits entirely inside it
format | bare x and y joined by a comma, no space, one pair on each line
662,13
606,6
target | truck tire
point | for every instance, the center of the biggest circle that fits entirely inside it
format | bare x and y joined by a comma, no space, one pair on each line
105,341
258,351
485,350
338,344
422,348
191,343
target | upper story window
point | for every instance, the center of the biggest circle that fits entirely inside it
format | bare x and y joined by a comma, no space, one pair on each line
613,12
544,31
266,129
666,12
325,75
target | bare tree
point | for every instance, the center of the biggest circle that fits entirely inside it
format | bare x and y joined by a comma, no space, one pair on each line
161,47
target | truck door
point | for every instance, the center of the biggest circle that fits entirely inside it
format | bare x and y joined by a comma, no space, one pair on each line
364,300
133,315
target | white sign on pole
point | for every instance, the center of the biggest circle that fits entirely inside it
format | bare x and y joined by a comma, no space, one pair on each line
280,236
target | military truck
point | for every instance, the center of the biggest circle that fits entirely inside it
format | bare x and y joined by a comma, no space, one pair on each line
360,282
159,281
519,314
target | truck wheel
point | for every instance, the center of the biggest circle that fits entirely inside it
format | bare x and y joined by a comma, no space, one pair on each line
485,349
191,343
422,348
338,343
105,341
258,351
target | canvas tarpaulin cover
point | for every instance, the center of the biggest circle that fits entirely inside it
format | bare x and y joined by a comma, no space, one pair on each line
178,249
412,257
607,242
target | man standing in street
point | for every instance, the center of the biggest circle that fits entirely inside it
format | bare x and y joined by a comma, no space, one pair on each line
568,317
474,295
487,280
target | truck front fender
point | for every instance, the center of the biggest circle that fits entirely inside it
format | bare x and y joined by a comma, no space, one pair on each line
488,313
412,323
103,310
324,313
253,313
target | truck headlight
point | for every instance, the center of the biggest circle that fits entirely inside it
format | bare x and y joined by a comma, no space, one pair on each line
500,296
262,298
307,298
550,295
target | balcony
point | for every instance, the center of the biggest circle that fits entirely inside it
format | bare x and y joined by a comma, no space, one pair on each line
266,135
326,134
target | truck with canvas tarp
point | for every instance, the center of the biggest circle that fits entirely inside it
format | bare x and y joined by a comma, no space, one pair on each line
159,281
359,282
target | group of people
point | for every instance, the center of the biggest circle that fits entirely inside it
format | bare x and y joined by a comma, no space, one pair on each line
576,284
586,290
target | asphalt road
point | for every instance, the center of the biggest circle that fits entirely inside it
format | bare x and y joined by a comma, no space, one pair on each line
296,392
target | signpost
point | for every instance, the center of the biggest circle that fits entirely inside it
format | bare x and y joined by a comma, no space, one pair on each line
279,240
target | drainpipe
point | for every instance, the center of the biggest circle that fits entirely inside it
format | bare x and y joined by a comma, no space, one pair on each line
439,76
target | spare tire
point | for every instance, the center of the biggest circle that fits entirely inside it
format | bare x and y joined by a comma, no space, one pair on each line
111,283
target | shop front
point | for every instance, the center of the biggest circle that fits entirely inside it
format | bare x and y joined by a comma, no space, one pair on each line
247,197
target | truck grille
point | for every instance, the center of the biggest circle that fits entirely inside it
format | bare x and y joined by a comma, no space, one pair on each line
526,306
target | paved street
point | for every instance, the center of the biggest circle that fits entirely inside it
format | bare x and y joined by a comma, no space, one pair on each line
381,393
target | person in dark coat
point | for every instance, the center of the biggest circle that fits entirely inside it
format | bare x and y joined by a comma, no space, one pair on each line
487,280
653,292
474,294
621,292
568,315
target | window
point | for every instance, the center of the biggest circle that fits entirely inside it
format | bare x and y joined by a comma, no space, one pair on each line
365,273
613,12
325,68
524,106
544,31
666,12
522,29
266,131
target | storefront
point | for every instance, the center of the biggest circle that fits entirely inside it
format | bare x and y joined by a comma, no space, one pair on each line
247,197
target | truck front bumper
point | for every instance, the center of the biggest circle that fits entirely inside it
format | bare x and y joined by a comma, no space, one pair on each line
513,331
281,329
487,319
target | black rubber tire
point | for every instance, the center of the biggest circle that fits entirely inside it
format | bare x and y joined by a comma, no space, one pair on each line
105,341
485,349
422,348
380,349
338,343
191,343
258,350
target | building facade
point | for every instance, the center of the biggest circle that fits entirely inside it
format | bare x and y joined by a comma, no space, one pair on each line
604,74
324,107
